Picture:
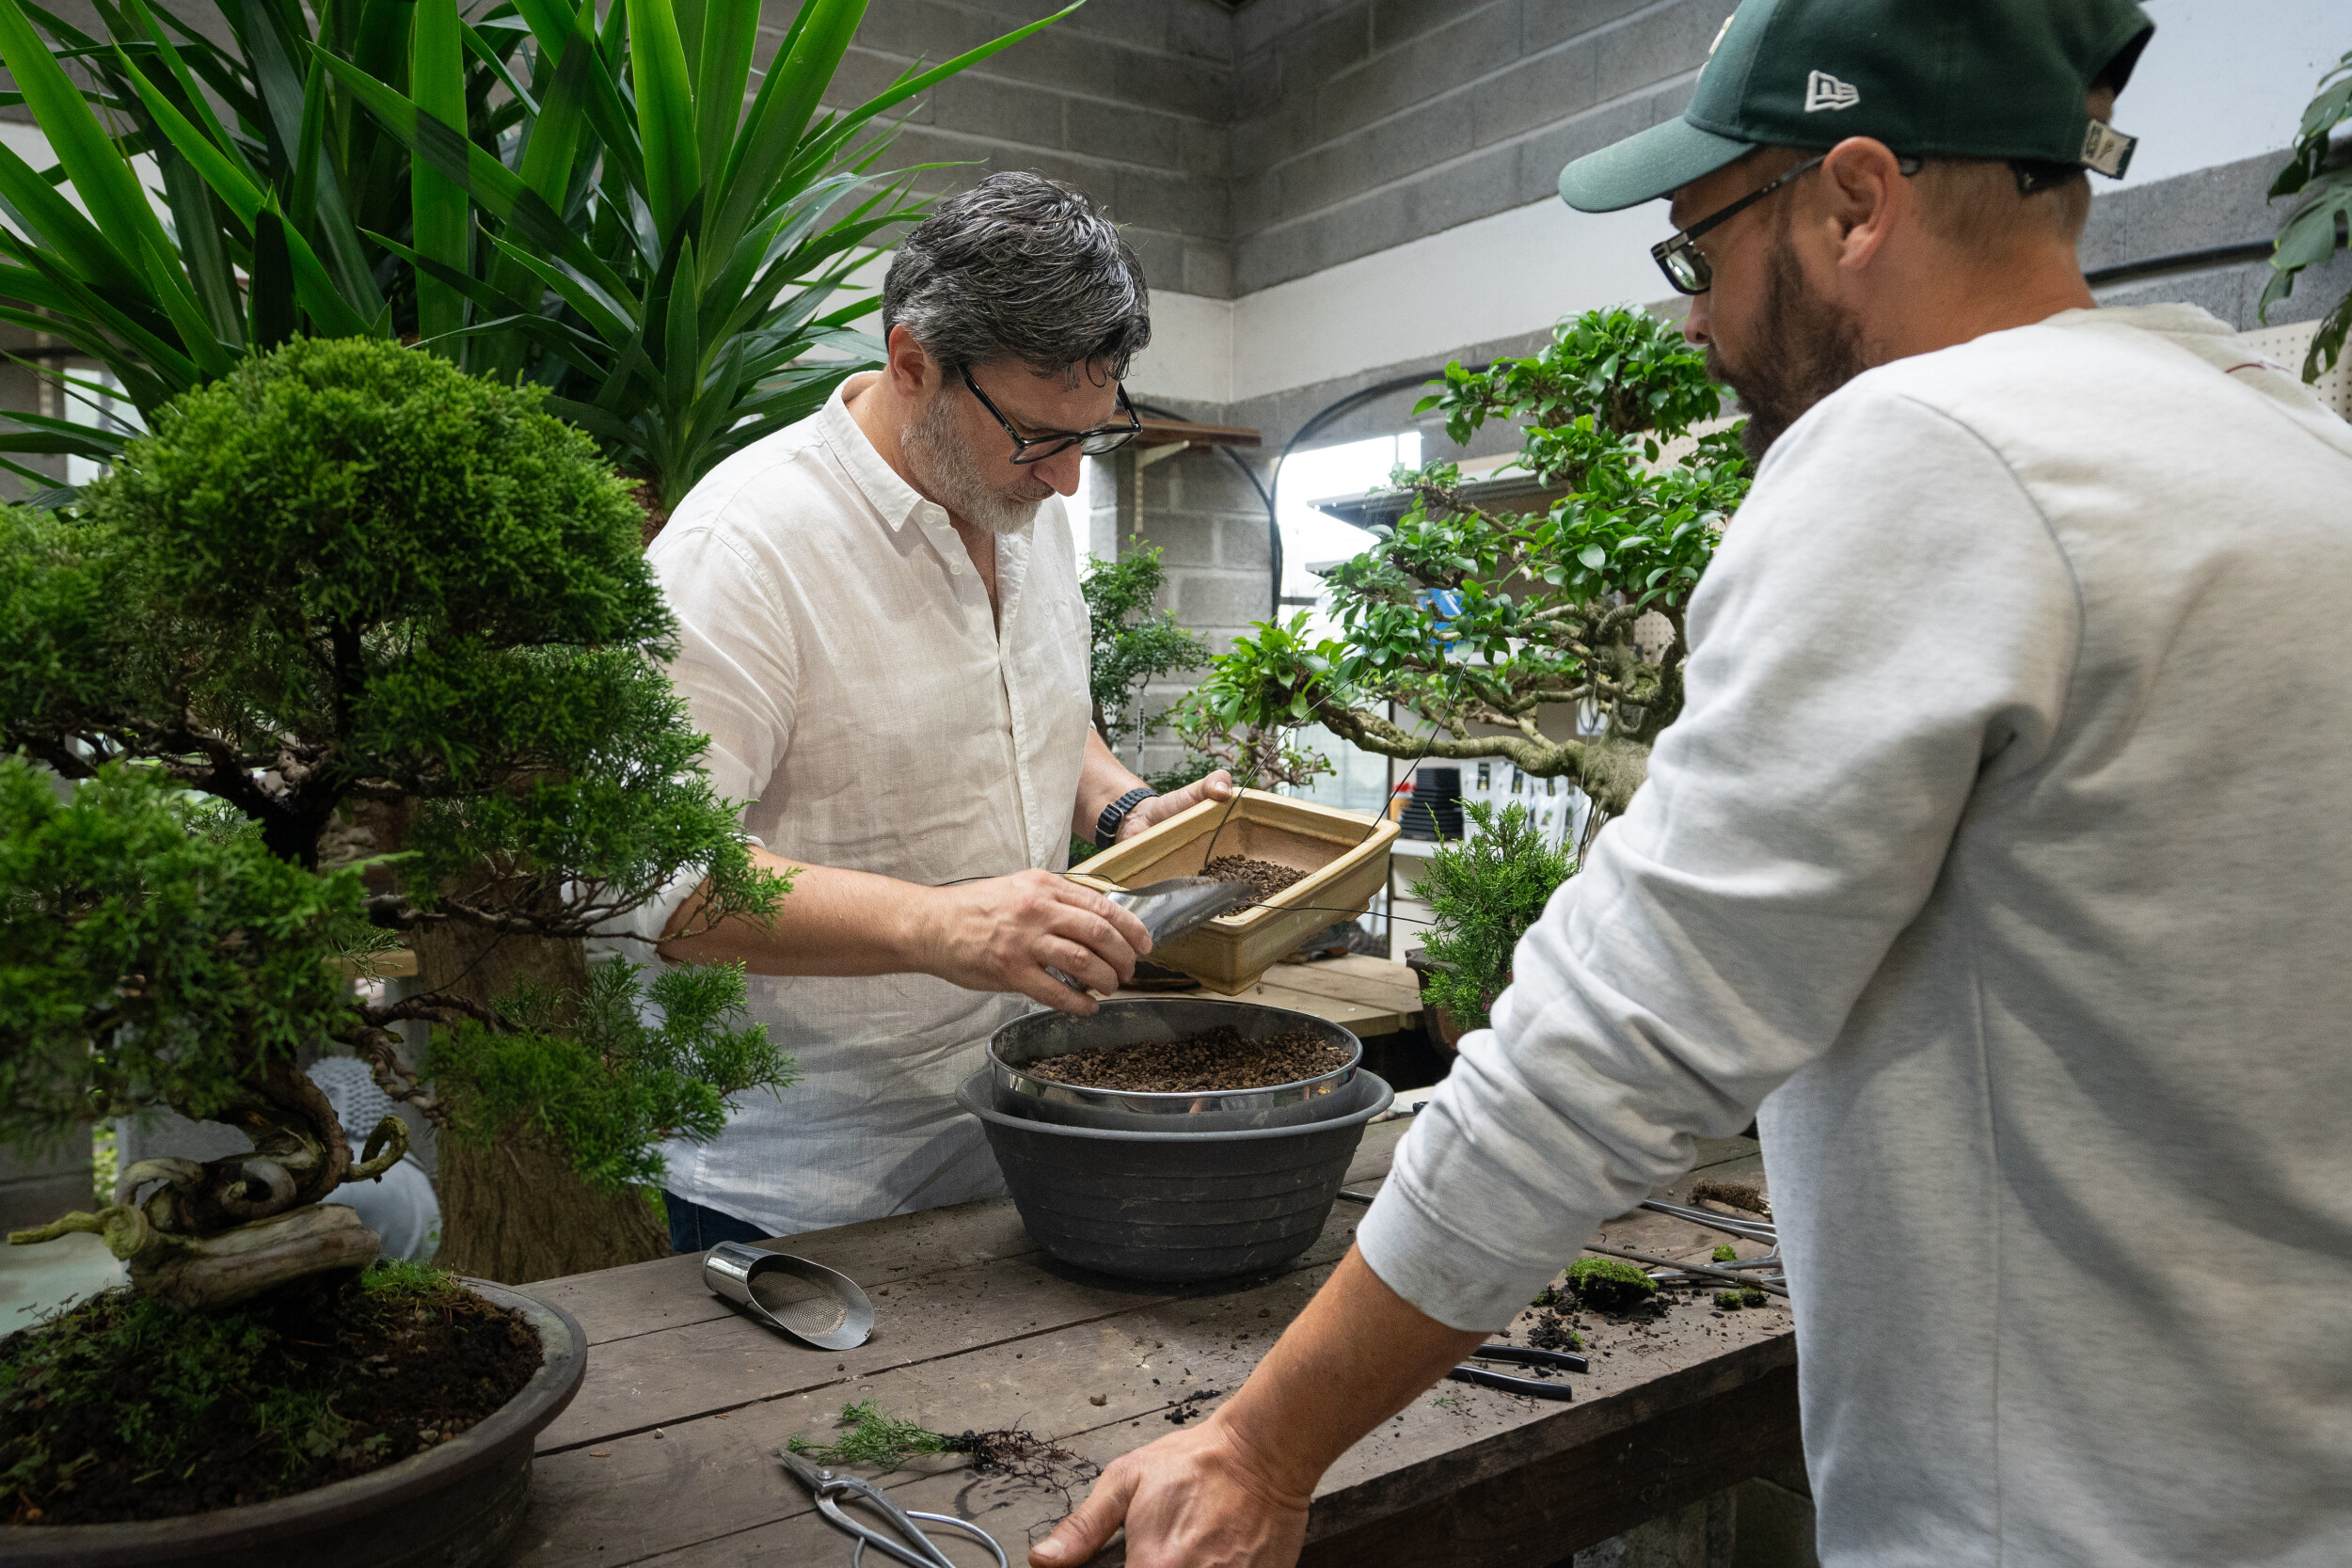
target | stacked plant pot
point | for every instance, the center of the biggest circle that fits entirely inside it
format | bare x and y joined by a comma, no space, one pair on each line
1170,1186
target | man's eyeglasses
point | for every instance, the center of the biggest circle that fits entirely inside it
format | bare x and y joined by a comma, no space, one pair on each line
1037,449
1686,265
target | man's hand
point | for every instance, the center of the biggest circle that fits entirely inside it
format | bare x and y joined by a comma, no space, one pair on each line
1159,808
1001,934
1200,1498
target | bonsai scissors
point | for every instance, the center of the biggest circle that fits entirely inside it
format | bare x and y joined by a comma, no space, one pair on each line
909,1546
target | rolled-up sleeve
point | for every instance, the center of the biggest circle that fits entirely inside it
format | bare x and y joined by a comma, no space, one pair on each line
735,669
1888,615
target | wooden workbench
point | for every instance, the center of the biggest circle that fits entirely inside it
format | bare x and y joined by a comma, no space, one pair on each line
665,1457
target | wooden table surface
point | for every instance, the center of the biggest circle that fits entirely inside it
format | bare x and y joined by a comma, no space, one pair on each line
666,1455
1365,994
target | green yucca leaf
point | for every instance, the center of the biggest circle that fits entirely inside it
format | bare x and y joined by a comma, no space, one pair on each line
439,216
101,175
665,113
56,223
730,35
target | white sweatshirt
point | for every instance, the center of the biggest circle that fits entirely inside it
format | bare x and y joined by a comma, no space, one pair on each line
2005,843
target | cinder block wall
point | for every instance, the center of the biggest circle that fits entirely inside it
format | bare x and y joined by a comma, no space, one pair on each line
1132,100
1361,124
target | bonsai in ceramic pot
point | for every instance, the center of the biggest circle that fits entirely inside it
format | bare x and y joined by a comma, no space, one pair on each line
353,649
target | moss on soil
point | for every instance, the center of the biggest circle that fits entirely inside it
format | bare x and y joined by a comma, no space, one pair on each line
120,1408
1606,1285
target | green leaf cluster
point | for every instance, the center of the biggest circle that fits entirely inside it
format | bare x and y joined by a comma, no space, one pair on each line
873,1438
1484,891
2318,174
571,193
1475,620
589,1075
151,948
1132,641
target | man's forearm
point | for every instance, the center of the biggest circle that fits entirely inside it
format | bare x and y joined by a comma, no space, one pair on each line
1356,1355
1101,778
834,922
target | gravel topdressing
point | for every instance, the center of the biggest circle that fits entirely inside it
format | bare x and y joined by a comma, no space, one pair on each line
1215,1058
1263,878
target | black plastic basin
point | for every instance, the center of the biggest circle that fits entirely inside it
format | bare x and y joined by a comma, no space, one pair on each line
1174,1206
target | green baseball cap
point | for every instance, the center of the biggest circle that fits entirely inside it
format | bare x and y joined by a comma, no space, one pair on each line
1930,78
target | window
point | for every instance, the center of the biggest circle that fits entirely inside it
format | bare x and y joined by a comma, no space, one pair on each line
105,409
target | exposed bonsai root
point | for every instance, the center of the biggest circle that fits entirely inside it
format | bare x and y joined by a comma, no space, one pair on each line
205,1274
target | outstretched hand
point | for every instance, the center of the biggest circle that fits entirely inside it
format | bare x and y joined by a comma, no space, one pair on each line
1200,1498
1001,934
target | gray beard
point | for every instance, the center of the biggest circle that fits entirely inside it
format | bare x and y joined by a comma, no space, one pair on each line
944,470
1804,350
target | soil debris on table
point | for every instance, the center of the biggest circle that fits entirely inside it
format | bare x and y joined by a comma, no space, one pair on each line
1263,878
121,1409
1218,1059
1731,1195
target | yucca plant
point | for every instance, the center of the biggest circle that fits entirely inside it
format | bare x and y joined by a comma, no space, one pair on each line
530,192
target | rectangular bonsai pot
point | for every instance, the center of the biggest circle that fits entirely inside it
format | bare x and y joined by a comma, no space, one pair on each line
1345,854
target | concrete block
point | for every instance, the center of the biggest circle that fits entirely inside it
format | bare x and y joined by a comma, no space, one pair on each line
1002,111
1178,202
1475,187
1447,57
2207,207
1244,542
1257,82
1661,43
1209,271
1201,27
1394,21
39,1184
1258,25
1256,204
912,29
2316,292
1128,135
1162,254
1204,149
1327,46
1377,155
1273,133
1199,89
2219,290
1545,153
1181,540
863,75
1542,91
1354,229
1222,599
1550,22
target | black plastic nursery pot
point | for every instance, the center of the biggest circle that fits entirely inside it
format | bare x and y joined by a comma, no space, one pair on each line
1174,1206
455,1507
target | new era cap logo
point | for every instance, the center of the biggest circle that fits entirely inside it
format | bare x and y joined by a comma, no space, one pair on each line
1824,92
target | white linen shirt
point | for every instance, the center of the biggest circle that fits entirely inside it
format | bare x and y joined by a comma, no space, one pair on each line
837,647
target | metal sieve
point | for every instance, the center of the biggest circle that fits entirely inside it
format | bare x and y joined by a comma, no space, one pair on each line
1041,1036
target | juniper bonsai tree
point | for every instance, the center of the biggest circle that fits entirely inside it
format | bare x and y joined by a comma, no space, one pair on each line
353,649
1474,620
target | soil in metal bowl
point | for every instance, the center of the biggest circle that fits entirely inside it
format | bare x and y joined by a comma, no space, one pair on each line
123,1409
1213,1059
1263,878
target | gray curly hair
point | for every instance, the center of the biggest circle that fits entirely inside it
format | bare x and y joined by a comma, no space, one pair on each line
1023,267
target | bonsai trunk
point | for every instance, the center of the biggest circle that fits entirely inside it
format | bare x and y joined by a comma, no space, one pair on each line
515,1212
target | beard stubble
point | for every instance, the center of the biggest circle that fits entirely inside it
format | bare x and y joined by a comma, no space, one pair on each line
1802,349
945,470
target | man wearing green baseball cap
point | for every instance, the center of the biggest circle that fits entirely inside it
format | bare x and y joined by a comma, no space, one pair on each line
1997,862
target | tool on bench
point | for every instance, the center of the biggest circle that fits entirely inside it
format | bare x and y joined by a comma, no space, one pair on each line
1766,1272
911,1545
749,1276
1522,1355
1172,906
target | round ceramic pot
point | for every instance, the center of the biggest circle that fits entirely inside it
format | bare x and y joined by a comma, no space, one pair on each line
454,1507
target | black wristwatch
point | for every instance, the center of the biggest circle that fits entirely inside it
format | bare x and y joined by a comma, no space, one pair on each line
1106,825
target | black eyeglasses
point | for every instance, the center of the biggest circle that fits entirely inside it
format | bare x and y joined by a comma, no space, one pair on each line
1686,265
1091,443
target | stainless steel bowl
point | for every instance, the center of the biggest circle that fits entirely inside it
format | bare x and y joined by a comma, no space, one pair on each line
1041,1036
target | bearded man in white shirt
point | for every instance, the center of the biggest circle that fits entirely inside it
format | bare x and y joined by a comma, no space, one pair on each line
881,632
1998,860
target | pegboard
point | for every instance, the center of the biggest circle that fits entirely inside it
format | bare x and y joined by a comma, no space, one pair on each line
2286,346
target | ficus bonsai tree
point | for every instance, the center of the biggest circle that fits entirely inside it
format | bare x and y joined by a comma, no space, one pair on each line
354,650
1474,621
2318,174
